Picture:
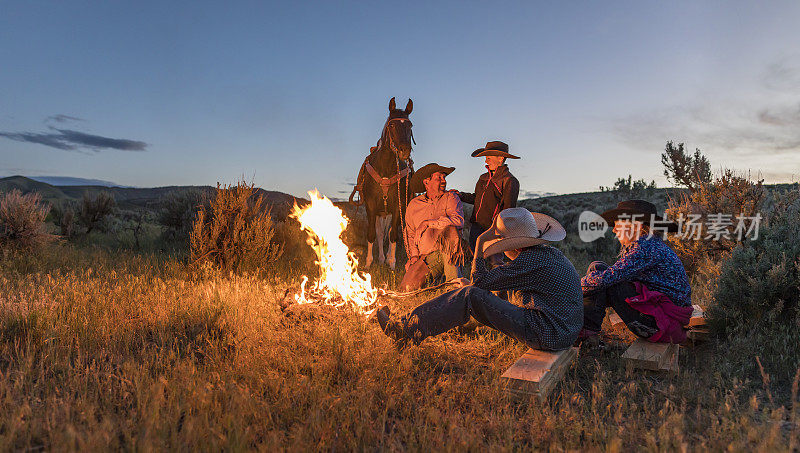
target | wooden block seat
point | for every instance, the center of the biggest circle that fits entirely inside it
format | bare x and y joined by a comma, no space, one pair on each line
698,316
538,372
698,334
645,355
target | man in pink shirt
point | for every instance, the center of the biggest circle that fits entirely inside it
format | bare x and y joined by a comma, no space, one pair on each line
433,226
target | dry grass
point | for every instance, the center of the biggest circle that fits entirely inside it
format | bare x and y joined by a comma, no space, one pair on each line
127,352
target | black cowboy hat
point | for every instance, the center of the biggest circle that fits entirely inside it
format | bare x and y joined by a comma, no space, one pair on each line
426,172
644,211
494,149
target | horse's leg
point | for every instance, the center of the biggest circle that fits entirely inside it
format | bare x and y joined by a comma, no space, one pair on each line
394,235
381,237
370,236
390,259
387,230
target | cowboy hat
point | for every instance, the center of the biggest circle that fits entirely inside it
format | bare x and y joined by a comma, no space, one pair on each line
425,172
639,210
494,149
517,228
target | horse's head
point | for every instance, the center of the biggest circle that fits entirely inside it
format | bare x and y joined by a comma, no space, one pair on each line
397,131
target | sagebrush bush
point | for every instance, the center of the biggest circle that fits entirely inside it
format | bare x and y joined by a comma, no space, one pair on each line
759,285
178,212
236,233
64,217
22,220
722,204
95,210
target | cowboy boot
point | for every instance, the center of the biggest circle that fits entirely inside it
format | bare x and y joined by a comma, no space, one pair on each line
392,329
415,276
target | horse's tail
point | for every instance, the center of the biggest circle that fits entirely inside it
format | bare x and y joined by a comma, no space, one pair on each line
359,183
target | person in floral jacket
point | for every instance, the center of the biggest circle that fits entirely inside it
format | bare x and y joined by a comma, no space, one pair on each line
647,286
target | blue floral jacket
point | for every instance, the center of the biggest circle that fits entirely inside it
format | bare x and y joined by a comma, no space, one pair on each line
650,261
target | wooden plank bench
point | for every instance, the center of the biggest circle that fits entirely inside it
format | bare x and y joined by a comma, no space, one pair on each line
537,372
645,355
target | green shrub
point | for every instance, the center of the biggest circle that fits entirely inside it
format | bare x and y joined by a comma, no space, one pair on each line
22,220
236,233
628,188
759,285
178,212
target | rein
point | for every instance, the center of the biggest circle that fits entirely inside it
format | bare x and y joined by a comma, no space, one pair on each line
384,182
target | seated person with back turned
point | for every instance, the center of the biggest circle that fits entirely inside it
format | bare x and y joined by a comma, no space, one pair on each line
432,231
647,286
544,310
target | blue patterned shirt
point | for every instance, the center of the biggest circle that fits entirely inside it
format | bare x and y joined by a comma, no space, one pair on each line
648,260
544,282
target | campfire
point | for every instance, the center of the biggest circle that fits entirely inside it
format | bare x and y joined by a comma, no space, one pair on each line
339,283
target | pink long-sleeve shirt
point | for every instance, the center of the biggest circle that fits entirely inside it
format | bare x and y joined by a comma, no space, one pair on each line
440,212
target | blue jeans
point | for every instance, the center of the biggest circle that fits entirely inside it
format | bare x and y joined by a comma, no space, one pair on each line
596,301
455,308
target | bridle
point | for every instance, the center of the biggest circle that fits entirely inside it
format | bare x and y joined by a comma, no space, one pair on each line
385,183
389,135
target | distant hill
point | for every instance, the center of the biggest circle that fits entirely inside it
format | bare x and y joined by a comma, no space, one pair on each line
25,185
565,208
132,197
70,181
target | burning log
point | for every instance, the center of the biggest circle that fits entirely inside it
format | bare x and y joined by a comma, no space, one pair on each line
340,284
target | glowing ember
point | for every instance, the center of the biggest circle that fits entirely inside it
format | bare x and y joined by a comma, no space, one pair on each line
339,282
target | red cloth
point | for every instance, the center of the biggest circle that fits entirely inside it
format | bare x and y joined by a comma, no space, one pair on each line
670,318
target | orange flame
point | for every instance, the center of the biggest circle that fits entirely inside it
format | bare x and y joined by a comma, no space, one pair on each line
339,283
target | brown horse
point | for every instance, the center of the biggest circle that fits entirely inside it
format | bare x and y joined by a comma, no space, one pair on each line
383,183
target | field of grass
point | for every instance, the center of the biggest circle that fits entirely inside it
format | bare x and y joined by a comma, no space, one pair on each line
114,350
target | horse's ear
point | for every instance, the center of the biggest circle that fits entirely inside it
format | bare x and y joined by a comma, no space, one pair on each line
409,107
392,105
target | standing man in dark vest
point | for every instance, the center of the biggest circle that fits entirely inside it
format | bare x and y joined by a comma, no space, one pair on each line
497,189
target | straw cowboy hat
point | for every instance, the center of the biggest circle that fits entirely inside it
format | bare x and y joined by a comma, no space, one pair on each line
639,210
518,228
425,172
496,148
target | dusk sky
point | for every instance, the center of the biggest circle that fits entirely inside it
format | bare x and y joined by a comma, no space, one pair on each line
292,95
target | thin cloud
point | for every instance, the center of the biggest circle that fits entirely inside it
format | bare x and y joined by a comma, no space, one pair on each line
742,129
63,118
783,75
71,140
767,126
